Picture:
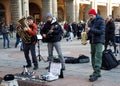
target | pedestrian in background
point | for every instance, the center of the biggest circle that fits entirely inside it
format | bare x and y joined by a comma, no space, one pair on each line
5,33
110,33
96,31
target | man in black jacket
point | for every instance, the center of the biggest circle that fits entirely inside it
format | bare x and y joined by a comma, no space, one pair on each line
52,34
96,31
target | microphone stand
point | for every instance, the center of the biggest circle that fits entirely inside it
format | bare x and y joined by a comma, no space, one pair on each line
39,55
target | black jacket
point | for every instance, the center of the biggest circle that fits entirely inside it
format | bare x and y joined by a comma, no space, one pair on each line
97,30
56,35
110,29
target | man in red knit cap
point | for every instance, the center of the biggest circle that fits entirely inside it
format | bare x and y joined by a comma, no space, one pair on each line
96,35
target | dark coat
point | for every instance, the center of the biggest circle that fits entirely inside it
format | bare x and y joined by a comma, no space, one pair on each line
110,29
56,35
97,30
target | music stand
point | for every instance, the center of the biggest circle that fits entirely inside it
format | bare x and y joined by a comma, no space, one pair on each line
39,37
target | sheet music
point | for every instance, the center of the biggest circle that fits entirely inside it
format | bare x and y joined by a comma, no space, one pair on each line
39,36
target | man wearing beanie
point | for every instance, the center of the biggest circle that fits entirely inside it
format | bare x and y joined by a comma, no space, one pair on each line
96,34
52,35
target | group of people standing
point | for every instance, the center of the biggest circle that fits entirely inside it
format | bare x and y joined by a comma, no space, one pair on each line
99,32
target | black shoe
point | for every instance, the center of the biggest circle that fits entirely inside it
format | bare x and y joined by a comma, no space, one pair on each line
93,78
47,68
96,75
35,68
27,66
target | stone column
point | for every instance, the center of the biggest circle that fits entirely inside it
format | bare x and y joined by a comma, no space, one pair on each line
25,8
70,10
54,8
77,6
46,7
16,11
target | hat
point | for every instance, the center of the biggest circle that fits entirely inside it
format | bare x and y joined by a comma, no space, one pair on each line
92,11
48,15
30,17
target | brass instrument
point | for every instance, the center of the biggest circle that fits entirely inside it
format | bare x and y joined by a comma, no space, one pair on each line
84,38
84,35
21,32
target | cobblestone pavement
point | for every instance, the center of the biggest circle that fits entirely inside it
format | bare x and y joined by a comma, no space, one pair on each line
12,60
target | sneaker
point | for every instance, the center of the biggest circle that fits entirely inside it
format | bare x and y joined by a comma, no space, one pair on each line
35,68
27,66
93,78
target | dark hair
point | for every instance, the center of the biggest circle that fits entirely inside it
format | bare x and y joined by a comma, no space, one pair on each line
30,17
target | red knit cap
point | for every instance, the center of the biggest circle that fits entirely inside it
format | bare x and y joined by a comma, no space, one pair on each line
92,11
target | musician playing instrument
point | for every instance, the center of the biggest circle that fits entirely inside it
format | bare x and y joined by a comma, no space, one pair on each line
52,35
32,31
96,35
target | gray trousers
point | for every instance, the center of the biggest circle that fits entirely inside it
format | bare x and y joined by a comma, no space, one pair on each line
59,51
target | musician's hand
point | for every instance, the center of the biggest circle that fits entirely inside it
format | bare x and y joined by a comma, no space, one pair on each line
25,28
50,31
87,29
44,35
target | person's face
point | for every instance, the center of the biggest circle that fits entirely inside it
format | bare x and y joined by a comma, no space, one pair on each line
30,21
49,19
91,16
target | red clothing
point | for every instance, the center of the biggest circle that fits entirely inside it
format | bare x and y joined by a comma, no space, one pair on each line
33,29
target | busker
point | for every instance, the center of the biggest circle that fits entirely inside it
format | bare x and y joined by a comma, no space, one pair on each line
52,35
96,35
32,30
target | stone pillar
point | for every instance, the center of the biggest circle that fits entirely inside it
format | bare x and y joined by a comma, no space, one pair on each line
46,7
70,10
77,6
16,11
109,7
25,8
54,8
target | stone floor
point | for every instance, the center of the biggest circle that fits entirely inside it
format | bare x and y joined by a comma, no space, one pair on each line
12,60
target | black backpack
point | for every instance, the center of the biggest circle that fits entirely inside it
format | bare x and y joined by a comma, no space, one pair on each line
108,60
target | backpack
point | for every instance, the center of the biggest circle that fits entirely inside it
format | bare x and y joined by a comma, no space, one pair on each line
108,60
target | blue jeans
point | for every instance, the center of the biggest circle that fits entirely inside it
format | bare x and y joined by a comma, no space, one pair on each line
6,38
17,41
27,48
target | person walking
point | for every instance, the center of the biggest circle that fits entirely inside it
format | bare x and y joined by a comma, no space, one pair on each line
5,33
96,34
32,31
52,35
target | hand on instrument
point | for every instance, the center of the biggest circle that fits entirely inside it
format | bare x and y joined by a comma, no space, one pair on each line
87,29
25,28
50,31
44,35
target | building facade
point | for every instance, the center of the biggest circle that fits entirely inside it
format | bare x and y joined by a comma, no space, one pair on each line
64,10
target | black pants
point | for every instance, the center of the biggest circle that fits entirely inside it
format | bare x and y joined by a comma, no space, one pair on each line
27,48
110,40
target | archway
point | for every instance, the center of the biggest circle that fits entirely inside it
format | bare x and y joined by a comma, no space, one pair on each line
60,14
2,13
35,12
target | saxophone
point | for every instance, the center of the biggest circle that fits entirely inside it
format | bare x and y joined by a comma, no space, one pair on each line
84,35
20,30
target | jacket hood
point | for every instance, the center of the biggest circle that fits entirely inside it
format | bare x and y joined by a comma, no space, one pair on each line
53,20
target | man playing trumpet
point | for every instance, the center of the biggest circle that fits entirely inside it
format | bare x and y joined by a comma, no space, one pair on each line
96,35
32,31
